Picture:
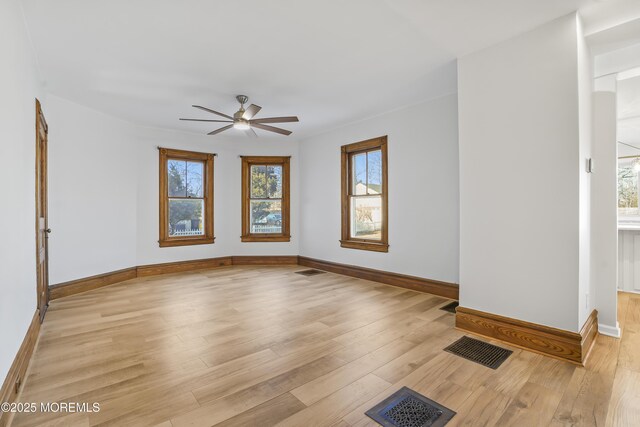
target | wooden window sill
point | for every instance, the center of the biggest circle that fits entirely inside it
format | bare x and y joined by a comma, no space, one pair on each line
365,246
185,242
267,238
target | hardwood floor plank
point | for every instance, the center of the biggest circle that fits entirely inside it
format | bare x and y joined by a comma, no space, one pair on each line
327,384
267,414
486,405
532,405
331,409
624,407
255,345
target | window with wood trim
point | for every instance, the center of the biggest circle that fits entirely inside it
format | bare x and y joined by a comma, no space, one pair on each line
265,199
364,195
186,198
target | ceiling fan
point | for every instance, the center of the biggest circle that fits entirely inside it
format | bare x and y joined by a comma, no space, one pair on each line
243,119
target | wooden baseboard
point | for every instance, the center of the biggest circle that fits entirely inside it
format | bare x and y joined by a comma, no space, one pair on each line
443,289
182,266
565,345
17,371
90,283
266,260
94,282
447,290
589,333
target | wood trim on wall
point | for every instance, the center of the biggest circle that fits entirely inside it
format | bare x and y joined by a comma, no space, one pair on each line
41,215
346,156
98,281
166,154
565,345
266,260
181,266
435,287
89,283
247,162
589,333
17,371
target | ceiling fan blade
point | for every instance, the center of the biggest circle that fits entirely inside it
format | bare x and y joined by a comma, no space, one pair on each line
205,120
251,111
213,111
220,130
276,120
271,128
251,132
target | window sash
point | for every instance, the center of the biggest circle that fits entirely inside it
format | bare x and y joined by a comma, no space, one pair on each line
206,216
352,171
248,163
350,196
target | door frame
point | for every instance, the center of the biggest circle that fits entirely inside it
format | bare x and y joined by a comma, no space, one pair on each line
41,195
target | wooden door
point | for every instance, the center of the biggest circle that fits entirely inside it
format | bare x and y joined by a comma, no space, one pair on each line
42,226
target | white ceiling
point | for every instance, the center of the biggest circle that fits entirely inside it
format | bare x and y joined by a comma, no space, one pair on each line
330,62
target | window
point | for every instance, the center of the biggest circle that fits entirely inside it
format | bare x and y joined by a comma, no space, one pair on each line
628,169
265,199
364,195
186,198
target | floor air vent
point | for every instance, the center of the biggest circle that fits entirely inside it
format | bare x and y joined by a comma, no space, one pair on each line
311,272
480,352
406,408
451,307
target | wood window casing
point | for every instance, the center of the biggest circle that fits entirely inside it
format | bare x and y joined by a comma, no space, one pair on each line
247,163
206,159
347,155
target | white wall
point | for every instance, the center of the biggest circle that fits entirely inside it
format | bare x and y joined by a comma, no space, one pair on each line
19,86
423,191
92,192
104,193
585,123
227,200
519,177
604,211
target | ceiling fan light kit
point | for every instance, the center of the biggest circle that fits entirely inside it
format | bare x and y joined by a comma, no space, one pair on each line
243,119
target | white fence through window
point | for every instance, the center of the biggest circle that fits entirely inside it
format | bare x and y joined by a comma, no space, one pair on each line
195,232
257,228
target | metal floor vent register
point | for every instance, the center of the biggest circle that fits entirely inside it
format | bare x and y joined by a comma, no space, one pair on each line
451,307
480,352
406,408
311,272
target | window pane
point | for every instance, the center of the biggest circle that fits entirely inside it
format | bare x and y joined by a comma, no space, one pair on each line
359,174
374,172
266,216
258,181
186,217
627,189
366,217
275,181
195,172
177,178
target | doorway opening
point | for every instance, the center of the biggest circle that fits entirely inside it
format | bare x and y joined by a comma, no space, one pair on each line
42,223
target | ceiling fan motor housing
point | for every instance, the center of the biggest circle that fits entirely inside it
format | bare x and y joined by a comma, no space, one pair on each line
243,119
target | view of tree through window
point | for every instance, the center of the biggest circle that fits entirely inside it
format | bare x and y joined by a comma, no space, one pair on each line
266,199
627,188
186,198
366,199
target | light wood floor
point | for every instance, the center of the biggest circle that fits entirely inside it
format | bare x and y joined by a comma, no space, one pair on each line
261,346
